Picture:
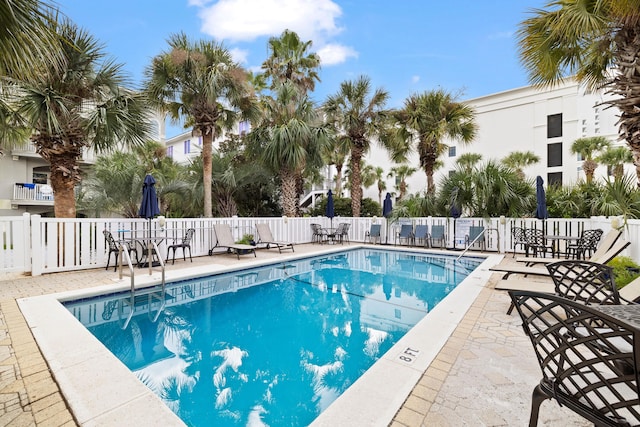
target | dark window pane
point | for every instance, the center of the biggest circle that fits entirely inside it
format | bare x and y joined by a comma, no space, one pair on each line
554,125
452,151
554,154
554,178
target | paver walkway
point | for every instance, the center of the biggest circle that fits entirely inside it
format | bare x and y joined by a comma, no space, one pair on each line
483,376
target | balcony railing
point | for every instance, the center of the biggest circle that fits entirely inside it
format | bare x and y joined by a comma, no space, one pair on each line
32,194
29,150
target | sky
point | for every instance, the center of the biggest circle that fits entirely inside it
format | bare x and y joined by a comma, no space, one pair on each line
467,47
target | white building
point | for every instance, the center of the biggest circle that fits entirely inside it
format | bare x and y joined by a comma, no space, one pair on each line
545,122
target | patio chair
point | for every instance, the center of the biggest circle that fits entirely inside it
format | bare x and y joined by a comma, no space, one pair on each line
518,239
476,236
185,243
588,359
341,233
406,233
587,243
584,281
537,243
224,239
265,236
606,243
437,234
373,233
421,233
613,251
115,248
318,235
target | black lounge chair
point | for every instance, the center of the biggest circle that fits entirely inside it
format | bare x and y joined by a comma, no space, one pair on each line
589,359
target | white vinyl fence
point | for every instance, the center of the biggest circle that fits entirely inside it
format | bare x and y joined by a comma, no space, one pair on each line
36,245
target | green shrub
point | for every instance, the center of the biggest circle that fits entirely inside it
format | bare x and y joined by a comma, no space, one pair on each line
624,270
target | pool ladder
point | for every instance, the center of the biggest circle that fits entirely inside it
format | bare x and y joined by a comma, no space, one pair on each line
152,292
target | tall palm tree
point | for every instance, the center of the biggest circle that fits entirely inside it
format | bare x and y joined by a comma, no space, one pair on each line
401,173
595,40
80,105
289,137
517,160
290,60
382,185
428,118
199,81
335,153
360,116
615,158
587,148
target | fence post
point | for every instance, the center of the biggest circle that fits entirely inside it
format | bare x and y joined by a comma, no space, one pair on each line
37,246
26,242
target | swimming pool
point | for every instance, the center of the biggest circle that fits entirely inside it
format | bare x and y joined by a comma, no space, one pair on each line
356,303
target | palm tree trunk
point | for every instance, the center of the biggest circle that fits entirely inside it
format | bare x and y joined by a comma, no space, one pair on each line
356,179
338,179
207,150
289,193
626,87
64,175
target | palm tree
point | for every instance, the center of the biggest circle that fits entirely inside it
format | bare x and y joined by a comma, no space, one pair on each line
382,185
518,160
27,37
615,158
200,82
401,173
290,60
428,118
335,153
597,41
359,116
80,105
586,148
468,161
290,136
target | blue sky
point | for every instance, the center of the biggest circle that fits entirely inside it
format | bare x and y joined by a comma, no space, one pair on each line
404,46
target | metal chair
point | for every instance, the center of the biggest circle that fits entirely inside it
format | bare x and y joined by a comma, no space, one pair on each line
318,235
421,233
537,243
406,233
585,281
588,358
373,233
518,239
184,244
586,244
114,248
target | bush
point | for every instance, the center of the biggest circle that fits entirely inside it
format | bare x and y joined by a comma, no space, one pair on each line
624,270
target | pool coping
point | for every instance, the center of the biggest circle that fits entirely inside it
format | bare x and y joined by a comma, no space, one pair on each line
118,397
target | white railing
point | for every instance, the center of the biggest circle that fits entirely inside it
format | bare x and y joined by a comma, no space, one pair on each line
27,192
37,245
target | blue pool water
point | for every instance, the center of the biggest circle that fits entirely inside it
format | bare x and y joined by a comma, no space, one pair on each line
274,345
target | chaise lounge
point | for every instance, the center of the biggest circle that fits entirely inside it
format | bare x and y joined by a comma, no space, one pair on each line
224,239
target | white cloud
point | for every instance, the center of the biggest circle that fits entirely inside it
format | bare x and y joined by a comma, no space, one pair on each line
245,20
239,55
415,79
332,54
501,35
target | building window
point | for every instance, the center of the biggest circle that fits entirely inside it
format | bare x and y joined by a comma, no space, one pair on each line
39,178
170,151
554,178
452,151
554,154
187,146
554,125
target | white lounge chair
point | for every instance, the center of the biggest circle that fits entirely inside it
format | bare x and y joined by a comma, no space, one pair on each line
265,236
224,239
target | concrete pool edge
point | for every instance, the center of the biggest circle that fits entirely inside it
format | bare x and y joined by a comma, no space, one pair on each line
113,396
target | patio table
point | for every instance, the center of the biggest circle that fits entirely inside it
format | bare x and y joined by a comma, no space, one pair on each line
557,238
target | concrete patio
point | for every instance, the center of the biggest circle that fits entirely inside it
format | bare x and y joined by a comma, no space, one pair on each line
483,376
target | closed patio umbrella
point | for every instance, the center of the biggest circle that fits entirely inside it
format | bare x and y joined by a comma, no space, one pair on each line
149,205
541,200
387,207
329,210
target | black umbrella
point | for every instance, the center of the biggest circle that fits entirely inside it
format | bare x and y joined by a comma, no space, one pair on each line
149,206
455,211
541,200
387,207
329,210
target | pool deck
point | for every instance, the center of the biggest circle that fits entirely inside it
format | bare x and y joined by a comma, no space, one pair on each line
482,376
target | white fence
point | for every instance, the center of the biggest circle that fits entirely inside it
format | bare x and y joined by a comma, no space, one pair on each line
36,245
